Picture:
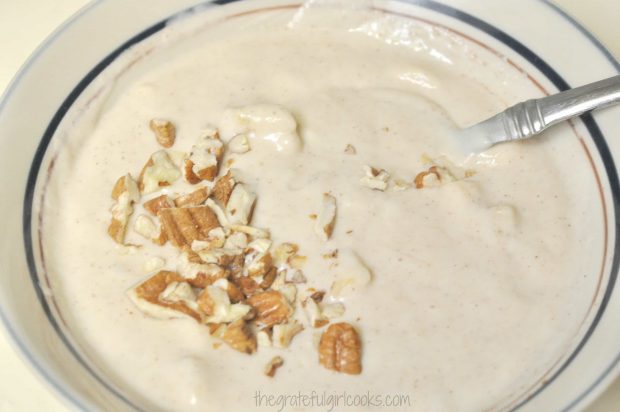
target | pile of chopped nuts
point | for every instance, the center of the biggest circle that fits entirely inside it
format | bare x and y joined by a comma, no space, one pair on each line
234,280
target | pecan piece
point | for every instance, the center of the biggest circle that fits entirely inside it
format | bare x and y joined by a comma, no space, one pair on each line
260,265
375,179
269,277
340,349
164,130
273,365
125,193
324,225
158,172
195,198
247,285
203,162
152,291
188,173
223,188
154,205
271,307
234,293
184,225
239,337
422,176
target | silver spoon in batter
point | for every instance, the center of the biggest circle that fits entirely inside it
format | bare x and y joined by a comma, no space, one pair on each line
531,117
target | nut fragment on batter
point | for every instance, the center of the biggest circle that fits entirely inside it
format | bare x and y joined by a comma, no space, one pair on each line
125,193
215,302
271,307
195,198
427,178
284,252
183,225
164,130
240,205
247,285
324,225
154,205
239,337
223,188
158,172
158,297
340,349
283,334
204,159
376,179
350,149
314,313
258,264
216,239
254,232
273,365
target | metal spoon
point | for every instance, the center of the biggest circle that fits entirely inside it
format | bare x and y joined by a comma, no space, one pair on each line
531,117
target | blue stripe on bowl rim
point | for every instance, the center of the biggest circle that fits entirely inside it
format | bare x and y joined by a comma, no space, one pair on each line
433,5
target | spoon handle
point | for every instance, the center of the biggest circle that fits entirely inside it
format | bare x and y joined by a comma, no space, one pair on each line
526,119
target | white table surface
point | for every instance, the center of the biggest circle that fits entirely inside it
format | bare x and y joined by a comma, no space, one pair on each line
25,23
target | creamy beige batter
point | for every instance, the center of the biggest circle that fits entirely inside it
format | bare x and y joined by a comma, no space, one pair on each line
478,286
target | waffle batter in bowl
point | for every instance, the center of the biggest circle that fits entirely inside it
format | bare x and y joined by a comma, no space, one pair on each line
459,283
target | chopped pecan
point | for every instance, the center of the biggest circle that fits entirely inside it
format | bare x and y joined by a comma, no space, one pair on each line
350,149
269,277
125,193
283,252
164,130
151,292
234,293
318,296
375,179
284,333
273,365
422,176
326,220
271,307
297,261
145,227
202,280
223,188
122,185
240,205
195,198
260,265
184,225
239,337
215,303
236,266
203,162
154,205
340,349
188,172
117,230
206,302
158,172
247,285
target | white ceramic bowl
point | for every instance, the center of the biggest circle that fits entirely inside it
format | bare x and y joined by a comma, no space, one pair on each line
533,35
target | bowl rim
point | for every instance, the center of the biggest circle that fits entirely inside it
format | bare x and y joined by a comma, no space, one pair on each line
437,6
